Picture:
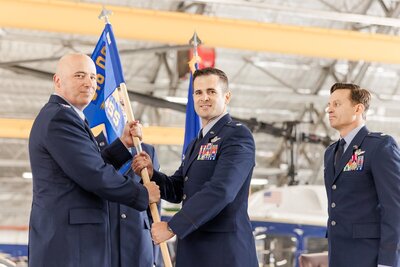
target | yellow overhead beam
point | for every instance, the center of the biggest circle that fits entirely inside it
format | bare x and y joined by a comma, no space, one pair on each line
15,128
173,27
20,128
163,135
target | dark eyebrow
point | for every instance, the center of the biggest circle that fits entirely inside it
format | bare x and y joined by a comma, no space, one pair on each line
84,73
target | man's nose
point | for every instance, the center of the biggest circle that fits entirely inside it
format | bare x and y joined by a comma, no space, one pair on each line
328,109
205,97
90,82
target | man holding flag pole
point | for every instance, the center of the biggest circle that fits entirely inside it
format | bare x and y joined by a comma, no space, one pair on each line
72,180
213,227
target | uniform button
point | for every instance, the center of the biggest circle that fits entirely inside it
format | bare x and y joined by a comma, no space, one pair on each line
186,178
333,223
123,216
334,187
184,196
333,205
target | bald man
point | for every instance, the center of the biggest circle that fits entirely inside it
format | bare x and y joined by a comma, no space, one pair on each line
72,180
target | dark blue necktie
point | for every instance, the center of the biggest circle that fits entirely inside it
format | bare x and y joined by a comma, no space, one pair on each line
199,137
339,151
198,140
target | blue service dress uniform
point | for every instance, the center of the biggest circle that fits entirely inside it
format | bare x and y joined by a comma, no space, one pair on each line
131,238
364,202
69,222
213,226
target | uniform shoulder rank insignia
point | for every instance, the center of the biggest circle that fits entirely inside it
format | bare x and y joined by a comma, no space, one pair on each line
238,124
65,105
356,163
377,134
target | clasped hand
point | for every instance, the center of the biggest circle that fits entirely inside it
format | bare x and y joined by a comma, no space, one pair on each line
160,232
131,129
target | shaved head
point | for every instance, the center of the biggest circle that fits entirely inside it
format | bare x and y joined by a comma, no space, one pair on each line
75,79
70,61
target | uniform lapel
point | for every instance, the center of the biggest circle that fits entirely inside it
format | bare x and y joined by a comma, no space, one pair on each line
87,128
357,140
330,164
192,154
211,134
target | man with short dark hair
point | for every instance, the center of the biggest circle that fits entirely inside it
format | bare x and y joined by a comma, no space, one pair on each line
213,181
362,180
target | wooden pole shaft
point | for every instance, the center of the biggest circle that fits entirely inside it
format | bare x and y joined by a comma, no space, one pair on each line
144,173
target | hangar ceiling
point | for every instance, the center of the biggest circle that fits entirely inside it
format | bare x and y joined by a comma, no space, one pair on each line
280,77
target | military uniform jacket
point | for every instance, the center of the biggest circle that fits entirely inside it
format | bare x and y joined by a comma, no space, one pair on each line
131,239
213,226
69,222
364,202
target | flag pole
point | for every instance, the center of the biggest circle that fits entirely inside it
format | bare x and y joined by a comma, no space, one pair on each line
192,121
144,173
195,41
123,93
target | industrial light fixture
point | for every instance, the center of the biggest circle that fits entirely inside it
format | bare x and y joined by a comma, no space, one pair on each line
27,175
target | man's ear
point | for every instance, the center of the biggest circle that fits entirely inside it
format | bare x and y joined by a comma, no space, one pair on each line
360,108
228,96
56,81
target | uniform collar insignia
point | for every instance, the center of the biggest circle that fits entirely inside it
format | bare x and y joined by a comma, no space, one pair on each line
65,105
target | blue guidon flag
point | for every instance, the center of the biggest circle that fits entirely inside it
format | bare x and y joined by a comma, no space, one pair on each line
192,123
105,113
